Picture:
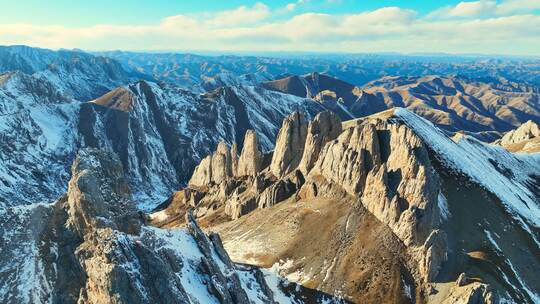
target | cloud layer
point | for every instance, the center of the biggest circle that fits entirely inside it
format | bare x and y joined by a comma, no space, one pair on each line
490,27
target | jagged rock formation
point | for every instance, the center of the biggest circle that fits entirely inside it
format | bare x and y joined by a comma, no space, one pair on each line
526,131
387,169
324,128
289,145
93,246
526,138
214,169
251,158
45,116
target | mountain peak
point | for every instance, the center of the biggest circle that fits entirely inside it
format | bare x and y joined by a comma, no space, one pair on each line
121,98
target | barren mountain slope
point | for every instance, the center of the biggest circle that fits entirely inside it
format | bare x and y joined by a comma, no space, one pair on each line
453,103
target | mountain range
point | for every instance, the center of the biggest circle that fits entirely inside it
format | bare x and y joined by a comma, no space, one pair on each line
171,178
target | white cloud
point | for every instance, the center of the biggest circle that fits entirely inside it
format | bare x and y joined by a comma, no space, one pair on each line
518,6
242,15
486,8
256,28
293,5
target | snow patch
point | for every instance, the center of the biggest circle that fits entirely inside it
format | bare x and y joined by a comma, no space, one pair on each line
443,206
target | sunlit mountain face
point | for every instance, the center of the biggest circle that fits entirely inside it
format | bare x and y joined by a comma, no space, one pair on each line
271,152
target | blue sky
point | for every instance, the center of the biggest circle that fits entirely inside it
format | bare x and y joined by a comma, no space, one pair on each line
352,26
75,13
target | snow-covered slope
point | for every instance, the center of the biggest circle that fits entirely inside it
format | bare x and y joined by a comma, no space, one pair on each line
228,79
513,179
74,73
160,132
493,202
37,138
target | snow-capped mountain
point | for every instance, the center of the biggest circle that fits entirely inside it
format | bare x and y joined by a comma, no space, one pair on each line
160,132
357,69
77,74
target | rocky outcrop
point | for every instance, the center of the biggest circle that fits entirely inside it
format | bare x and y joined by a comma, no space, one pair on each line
474,293
347,160
276,193
214,169
324,128
434,254
526,131
289,145
525,139
388,168
98,181
384,165
251,158
225,286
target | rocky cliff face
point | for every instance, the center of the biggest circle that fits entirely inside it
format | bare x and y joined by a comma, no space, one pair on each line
140,123
388,165
37,139
93,246
251,158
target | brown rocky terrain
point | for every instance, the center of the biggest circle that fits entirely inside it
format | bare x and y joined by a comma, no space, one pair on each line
368,209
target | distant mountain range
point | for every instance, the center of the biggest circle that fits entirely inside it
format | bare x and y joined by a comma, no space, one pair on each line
189,69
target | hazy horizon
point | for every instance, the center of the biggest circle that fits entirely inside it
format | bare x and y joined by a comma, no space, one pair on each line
290,54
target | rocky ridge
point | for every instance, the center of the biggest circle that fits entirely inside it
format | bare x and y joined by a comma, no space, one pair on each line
384,166
381,163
